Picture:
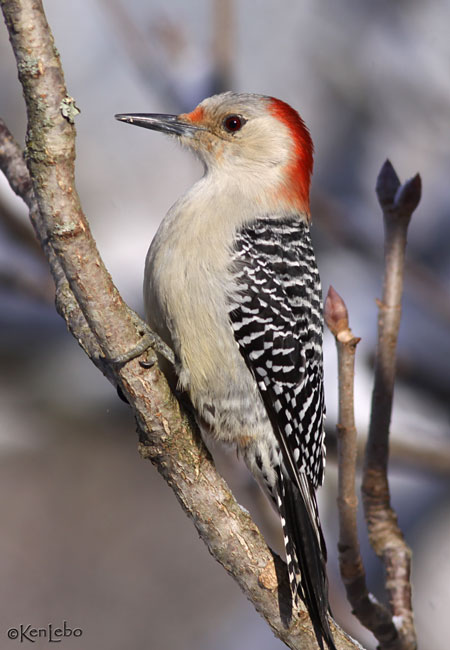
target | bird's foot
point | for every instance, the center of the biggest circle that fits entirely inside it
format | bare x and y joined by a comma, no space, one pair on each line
149,344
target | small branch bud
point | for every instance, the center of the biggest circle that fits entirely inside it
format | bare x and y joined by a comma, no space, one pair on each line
335,312
408,195
387,185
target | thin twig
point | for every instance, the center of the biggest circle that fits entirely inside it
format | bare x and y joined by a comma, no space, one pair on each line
398,203
96,313
13,166
19,230
372,614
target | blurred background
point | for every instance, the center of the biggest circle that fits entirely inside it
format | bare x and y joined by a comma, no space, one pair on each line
90,532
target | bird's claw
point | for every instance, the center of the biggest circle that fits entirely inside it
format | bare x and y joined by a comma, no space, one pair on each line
149,344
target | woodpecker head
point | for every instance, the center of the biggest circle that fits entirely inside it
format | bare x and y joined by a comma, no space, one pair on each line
246,138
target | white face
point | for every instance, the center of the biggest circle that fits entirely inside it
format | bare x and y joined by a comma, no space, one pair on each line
254,145
237,132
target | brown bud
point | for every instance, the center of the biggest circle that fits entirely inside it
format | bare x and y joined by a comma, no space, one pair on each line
408,195
335,312
387,185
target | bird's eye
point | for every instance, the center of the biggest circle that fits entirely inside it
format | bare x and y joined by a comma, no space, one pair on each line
233,123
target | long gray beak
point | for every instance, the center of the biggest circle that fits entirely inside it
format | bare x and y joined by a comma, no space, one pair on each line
159,122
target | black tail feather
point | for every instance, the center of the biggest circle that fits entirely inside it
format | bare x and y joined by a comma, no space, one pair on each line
306,559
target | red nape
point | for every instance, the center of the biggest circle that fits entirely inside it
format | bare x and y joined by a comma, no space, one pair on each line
300,170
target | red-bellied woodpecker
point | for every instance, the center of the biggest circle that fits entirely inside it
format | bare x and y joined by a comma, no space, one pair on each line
231,285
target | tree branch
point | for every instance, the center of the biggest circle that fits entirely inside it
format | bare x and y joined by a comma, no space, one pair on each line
372,614
13,166
107,328
398,203
50,155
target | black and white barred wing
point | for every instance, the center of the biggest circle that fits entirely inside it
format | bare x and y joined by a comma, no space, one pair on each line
276,318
